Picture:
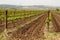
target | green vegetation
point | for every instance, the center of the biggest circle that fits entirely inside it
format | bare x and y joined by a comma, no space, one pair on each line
50,36
15,14
57,11
1,37
48,19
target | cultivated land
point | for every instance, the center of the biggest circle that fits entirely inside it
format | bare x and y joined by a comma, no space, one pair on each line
29,24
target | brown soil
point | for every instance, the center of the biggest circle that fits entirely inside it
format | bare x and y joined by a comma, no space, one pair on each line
31,31
56,22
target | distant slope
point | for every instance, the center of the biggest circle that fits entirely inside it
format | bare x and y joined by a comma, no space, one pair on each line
27,7
8,6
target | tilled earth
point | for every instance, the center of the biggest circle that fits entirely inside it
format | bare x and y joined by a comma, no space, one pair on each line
31,31
33,28
56,22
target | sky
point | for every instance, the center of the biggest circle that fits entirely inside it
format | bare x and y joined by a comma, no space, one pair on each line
31,2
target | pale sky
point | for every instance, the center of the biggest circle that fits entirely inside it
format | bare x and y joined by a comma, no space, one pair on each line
31,2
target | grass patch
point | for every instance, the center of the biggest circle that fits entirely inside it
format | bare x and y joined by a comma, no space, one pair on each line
1,37
50,35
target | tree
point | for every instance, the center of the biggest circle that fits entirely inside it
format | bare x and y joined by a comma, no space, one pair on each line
57,9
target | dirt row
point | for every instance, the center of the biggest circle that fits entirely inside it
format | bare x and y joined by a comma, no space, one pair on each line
14,24
31,31
17,23
56,22
2,25
20,22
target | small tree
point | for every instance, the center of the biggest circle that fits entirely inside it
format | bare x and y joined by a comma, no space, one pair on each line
57,9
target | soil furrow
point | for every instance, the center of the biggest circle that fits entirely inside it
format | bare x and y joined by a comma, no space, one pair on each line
56,22
20,33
